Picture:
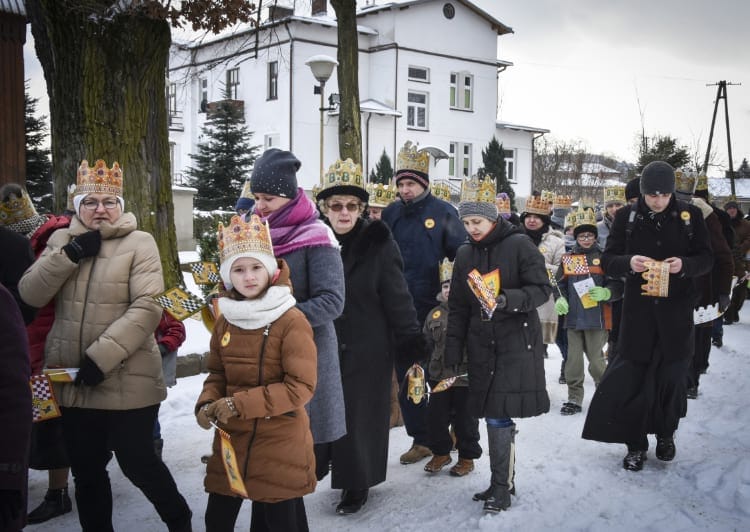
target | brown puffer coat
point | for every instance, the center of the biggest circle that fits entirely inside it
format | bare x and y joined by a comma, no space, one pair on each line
104,308
271,437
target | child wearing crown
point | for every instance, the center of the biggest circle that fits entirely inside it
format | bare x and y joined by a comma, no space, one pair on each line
585,297
262,372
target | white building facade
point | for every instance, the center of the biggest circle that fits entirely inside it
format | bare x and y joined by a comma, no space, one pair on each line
428,73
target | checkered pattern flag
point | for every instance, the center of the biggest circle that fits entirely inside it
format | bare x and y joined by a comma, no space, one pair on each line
179,303
575,264
205,273
43,403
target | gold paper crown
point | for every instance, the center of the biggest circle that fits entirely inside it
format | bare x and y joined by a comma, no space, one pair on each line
476,189
343,173
702,182
441,190
246,192
411,158
17,209
244,237
584,217
548,196
446,270
562,201
99,179
380,195
685,181
538,204
586,202
570,219
502,204
614,194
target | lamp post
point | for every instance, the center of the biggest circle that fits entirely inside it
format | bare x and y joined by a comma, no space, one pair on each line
322,67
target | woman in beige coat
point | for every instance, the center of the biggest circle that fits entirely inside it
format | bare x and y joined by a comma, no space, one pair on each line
102,274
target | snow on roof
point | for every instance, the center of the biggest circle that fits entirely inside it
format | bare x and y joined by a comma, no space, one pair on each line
373,106
519,127
721,187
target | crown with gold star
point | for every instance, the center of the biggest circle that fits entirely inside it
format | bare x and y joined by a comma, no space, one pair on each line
411,158
244,237
478,190
584,216
685,181
502,202
615,194
441,190
562,201
99,179
380,195
446,270
539,204
17,209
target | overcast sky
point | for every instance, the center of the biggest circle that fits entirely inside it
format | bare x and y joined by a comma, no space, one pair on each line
582,66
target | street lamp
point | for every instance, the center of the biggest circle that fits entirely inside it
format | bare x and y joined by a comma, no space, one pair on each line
322,67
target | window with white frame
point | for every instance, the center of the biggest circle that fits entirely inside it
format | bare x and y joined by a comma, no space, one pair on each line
466,160
233,83
273,80
418,73
510,164
459,160
462,91
203,94
271,141
172,99
416,111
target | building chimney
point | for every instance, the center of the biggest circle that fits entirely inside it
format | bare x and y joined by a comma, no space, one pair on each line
319,7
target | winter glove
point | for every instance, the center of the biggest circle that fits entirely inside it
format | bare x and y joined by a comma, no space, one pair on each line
561,306
502,301
89,373
413,349
201,416
599,293
222,410
10,507
82,246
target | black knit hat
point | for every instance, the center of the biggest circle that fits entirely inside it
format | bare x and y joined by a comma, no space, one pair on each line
633,189
275,173
657,178
585,228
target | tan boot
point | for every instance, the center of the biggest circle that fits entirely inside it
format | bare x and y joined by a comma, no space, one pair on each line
415,454
438,462
462,468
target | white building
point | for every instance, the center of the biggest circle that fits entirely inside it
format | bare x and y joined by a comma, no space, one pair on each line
428,73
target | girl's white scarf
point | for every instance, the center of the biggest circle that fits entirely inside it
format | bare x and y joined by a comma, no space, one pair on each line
257,313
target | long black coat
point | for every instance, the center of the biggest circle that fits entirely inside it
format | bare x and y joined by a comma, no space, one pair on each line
378,323
17,257
506,353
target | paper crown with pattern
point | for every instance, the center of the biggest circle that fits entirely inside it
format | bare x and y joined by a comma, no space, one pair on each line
584,216
343,177
411,158
702,182
570,219
562,201
548,196
502,202
587,202
615,194
244,237
685,181
441,190
246,192
17,209
478,190
99,179
446,270
538,204
380,195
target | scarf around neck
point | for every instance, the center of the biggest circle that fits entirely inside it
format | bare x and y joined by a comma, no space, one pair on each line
256,313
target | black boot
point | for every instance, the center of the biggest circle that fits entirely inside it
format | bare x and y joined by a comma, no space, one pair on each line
352,501
56,502
562,380
502,464
665,449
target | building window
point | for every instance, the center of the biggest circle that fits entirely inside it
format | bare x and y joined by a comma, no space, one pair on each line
417,73
510,164
203,87
172,99
273,80
416,113
462,91
271,141
459,160
233,83
466,161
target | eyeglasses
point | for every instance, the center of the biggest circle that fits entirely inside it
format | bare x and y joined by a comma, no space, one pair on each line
351,207
92,205
586,236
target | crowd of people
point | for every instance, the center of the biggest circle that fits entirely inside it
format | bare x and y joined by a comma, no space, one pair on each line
322,298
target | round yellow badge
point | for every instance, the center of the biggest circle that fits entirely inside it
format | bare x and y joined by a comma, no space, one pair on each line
436,314
429,223
542,249
685,215
225,339
596,262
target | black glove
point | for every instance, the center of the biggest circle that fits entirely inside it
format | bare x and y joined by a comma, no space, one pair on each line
82,246
412,349
723,302
163,349
89,373
10,507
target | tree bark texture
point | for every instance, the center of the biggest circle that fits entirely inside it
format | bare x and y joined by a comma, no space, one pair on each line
105,77
12,132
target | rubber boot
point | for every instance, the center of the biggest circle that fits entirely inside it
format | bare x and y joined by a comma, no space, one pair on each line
501,443
56,502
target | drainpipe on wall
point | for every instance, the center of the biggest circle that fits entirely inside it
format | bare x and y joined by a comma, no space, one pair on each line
533,143
395,106
291,86
367,149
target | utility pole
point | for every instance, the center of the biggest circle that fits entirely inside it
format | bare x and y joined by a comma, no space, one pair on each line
721,93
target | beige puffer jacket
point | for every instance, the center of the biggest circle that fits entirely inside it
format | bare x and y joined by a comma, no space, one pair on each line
104,309
552,247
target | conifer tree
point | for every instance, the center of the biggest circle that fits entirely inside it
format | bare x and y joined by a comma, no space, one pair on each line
38,164
224,158
493,159
743,172
383,172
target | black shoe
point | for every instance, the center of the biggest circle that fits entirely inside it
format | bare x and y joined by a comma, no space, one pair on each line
494,505
633,461
352,501
692,392
665,449
568,409
56,502
717,341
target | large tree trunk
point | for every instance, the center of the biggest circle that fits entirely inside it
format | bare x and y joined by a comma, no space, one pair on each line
350,124
106,85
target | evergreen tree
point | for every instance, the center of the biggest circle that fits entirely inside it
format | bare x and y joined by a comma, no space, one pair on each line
383,172
38,164
223,161
743,172
493,159
664,149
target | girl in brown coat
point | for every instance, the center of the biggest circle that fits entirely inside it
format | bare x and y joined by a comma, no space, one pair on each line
262,371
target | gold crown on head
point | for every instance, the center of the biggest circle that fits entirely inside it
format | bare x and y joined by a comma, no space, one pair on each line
538,204
562,201
16,209
478,190
343,173
441,190
585,216
702,182
685,181
614,194
244,237
502,204
380,195
411,158
570,219
246,192
446,270
548,196
99,179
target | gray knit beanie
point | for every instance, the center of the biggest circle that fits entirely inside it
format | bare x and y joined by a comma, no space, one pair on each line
275,173
478,208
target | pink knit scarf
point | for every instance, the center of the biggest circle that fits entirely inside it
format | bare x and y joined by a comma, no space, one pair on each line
297,225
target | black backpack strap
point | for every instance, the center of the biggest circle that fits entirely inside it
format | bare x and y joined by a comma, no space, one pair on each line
629,225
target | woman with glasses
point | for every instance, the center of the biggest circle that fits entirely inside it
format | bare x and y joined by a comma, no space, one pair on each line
379,323
102,274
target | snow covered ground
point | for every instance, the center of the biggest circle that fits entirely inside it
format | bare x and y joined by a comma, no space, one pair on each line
563,482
